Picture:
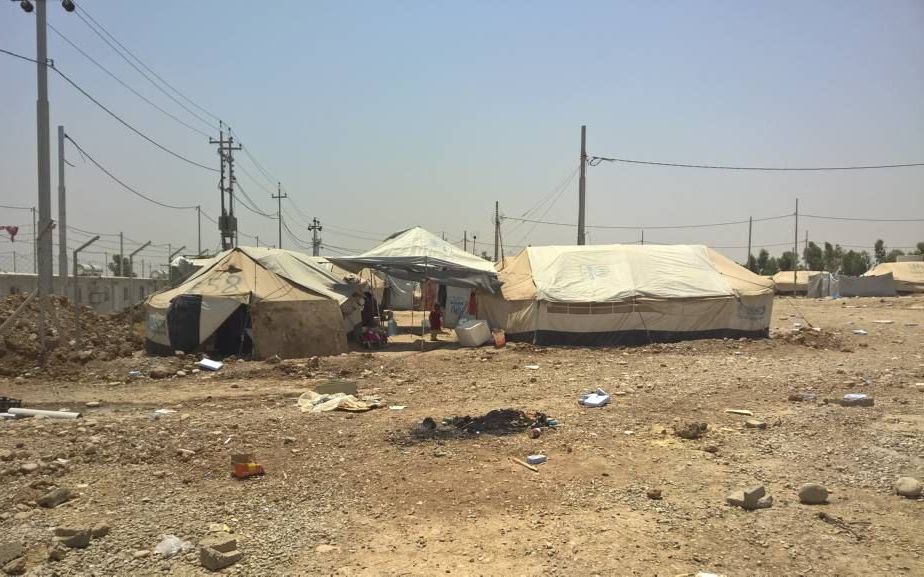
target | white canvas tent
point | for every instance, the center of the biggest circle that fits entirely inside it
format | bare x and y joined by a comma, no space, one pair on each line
252,300
626,294
909,276
418,255
783,282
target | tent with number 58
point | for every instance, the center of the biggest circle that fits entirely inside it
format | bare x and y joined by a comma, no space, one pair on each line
254,302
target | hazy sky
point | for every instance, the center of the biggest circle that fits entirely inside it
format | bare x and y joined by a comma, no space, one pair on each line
377,116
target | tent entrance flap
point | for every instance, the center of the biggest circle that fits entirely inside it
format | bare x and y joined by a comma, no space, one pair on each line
183,318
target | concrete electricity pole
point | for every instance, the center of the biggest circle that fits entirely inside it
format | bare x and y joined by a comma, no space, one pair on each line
315,227
227,222
62,215
496,230
582,191
278,197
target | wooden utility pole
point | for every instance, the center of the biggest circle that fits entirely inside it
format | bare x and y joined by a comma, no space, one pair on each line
582,183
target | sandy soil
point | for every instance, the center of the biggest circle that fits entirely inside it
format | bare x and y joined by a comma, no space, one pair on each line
359,494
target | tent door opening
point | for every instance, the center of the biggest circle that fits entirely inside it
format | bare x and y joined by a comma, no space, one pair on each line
233,337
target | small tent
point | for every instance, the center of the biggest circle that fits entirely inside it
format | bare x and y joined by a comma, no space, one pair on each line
909,276
783,281
251,301
626,294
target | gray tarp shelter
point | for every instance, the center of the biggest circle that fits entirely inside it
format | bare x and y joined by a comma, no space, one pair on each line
419,255
830,285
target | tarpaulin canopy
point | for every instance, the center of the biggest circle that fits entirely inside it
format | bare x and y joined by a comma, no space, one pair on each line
418,255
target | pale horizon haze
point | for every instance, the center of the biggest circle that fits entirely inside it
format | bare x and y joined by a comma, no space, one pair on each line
380,116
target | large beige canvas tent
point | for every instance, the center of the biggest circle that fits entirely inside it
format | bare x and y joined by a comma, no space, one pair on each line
256,301
626,294
783,281
909,276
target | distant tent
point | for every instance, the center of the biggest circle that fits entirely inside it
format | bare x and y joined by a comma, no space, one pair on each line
830,285
418,255
783,281
909,276
251,301
625,294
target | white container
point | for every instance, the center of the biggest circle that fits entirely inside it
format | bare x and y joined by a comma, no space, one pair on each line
210,365
473,333
536,459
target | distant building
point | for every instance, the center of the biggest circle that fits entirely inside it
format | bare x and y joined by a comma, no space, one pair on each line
105,294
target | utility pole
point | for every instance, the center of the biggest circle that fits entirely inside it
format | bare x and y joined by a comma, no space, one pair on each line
643,237
315,227
496,230
279,196
34,242
199,229
227,222
465,240
747,261
805,246
795,248
582,187
121,254
62,215
257,238
474,240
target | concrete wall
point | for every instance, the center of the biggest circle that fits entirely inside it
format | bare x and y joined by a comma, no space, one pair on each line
105,294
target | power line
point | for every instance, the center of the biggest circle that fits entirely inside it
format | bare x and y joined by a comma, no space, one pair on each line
862,219
254,208
93,27
125,186
29,208
638,227
120,81
595,160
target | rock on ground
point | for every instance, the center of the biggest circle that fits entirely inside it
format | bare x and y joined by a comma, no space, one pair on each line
908,487
813,494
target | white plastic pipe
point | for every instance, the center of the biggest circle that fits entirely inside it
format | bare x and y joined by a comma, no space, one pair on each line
19,412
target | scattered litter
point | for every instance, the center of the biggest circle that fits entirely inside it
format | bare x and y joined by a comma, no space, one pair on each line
535,433
531,367
21,412
473,333
244,465
135,374
755,424
744,412
884,322
524,464
171,545
856,400
312,402
598,398
800,397
396,407
164,411
536,459
860,332
210,365
495,422
6,403
840,524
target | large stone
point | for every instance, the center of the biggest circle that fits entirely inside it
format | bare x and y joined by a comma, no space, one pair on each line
73,537
221,543
735,499
813,494
15,567
908,487
54,498
217,560
10,550
27,468
100,530
160,372
753,495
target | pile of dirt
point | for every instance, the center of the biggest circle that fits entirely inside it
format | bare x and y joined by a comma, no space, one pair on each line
815,338
101,337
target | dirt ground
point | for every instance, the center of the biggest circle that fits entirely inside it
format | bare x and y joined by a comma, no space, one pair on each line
360,494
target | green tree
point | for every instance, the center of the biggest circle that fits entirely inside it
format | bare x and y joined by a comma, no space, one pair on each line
894,254
880,251
772,267
120,266
920,248
752,264
855,263
813,256
763,257
787,260
832,257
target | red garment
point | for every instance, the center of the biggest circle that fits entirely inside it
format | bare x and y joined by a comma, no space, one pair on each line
12,230
436,320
